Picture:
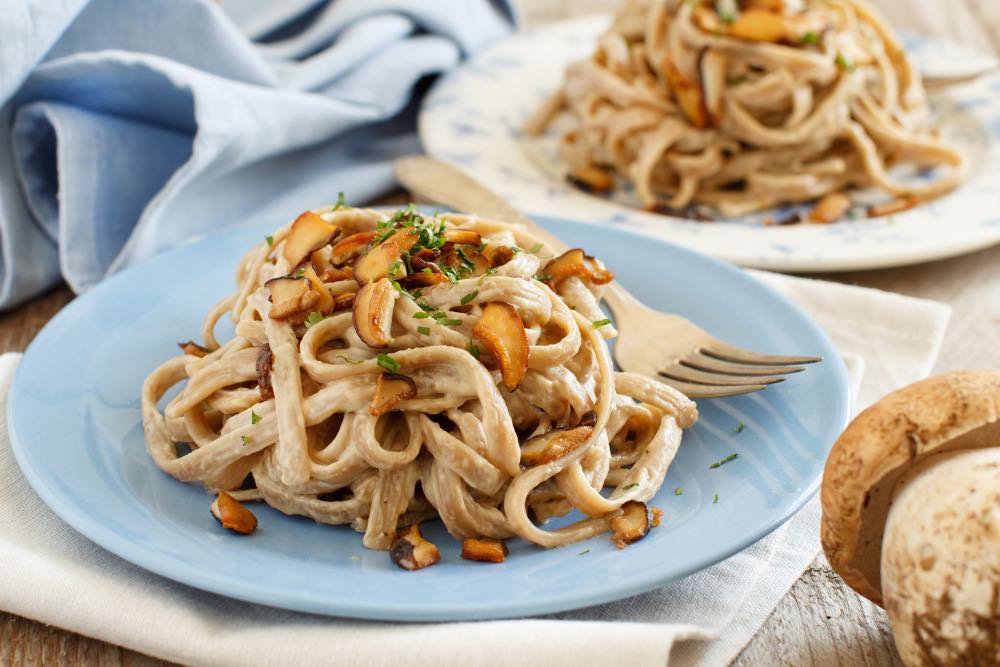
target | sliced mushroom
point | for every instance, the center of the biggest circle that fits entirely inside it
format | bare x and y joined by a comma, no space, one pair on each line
349,247
325,302
464,258
410,551
373,306
343,301
390,389
423,279
631,525
265,361
193,349
830,208
462,236
487,551
575,262
385,258
290,296
592,178
309,233
502,332
688,94
498,255
336,275
894,206
712,64
758,25
232,515
554,445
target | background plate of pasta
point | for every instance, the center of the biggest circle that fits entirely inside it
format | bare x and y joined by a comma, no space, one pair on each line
412,415
793,136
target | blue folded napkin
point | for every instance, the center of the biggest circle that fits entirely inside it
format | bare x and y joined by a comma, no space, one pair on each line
131,126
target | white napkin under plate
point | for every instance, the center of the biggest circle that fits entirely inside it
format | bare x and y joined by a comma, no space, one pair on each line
54,575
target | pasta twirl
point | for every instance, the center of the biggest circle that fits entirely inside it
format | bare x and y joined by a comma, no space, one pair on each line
741,106
390,369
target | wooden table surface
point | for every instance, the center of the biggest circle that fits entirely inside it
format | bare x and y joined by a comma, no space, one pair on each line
820,622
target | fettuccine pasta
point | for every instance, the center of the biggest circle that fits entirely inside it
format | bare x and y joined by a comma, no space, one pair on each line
741,106
386,370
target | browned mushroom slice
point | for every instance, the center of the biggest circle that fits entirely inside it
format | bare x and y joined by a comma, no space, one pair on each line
657,516
892,206
830,208
309,233
373,312
631,525
498,255
336,275
758,25
410,551
325,302
343,301
462,236
463,258
502,332
591,178
575,262
349,247
554,445
423,279
712,65
232,515
385,258
688,94
390,389
265,360
289,296
193,349
487,551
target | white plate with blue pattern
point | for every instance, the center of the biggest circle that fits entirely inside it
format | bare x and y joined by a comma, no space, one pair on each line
473,116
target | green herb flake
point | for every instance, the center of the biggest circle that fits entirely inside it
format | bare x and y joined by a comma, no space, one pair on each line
630,486
420,315
254,417
731,457
726,10
348,359
245,439
341,202
300,272
424,330
739,428
314,318
715,499
584,552
600,323
469,297
678,490
735,80
387,362
448,322
810,38
473,350
270,240
535,249
395,267
515,249
542,277
843,63
489,272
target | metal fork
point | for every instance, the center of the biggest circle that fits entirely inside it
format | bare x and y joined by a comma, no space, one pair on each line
651,342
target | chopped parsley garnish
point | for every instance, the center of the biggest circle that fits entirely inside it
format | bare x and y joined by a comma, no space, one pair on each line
245,439
425,306
420,315
473,349
542,277
395,267
448,322
535,249
724,461
469,297
630,486
314,318
514,249
739,428
269,239
254,417
810,38
726,10
843,63
715,499
678,490
300,272
584,552
600,323
489,272
424,330
735,80
387,362
348,360
341,202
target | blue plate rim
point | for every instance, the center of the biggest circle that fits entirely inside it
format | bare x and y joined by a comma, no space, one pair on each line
105,537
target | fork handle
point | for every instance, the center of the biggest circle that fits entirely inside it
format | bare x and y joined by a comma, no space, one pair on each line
444,184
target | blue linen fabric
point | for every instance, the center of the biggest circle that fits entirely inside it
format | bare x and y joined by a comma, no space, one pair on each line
131,126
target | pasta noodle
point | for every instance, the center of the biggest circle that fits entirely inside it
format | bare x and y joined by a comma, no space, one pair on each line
741,106
386,370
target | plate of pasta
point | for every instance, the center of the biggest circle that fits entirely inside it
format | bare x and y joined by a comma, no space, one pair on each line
793,136
415,416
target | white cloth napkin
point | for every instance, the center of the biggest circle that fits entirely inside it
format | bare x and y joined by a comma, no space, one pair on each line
52,574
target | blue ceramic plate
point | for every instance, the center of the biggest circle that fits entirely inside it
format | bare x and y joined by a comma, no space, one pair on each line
77,434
